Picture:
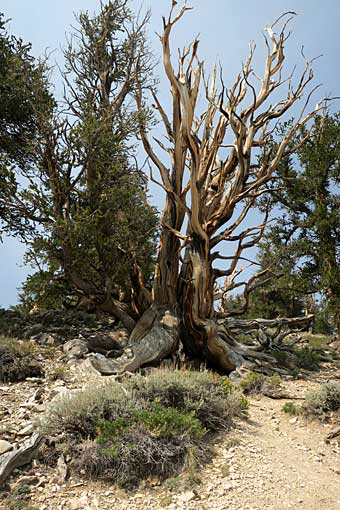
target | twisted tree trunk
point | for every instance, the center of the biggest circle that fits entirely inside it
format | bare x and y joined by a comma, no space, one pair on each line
207,198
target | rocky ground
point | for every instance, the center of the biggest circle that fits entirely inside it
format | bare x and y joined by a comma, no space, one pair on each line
270,461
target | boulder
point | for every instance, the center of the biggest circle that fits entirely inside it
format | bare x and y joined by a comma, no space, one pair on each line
104,341
75,348
5,447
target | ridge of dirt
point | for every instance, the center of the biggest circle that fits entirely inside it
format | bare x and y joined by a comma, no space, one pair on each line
269,461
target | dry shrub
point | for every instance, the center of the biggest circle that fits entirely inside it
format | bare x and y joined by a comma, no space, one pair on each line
17,360
322,401
259,383
213,399
140,455
152,426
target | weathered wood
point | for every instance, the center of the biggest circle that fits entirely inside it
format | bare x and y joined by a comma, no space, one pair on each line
14,459
333,433
243,325
160,339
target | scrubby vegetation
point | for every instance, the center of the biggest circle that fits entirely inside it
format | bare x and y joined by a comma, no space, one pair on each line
323,400
308,359
20,499
259,383
291,408
17,360
152,426
318,403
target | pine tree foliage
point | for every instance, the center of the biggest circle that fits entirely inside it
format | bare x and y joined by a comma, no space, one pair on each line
304,242
80,196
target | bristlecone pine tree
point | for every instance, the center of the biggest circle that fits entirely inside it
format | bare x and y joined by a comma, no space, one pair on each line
212,179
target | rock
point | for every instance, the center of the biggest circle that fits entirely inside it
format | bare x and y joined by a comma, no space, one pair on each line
103,341
26,431
5,447
292,421
33,330
75,348
185,497
28,480
79,503
47,339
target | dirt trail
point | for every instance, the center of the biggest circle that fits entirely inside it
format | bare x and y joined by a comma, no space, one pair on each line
271,461
279,465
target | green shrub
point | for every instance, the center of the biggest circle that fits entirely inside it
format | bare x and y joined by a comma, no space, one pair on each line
291,408
282,358
19,499
214,399
322,401
317,342
307,359
157,419
259,383
147,426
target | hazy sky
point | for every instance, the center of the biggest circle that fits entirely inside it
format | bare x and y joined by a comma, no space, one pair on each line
225,29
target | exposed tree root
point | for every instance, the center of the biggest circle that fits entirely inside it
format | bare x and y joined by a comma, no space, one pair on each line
154,338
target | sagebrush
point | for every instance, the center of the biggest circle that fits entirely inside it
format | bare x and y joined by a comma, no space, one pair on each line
154,426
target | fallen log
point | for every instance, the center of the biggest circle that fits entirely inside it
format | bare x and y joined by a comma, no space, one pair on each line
14,459
333,433
253,324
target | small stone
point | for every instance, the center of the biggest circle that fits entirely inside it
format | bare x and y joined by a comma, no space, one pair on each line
5,447
75,348
292,421
26,431
79,503
29,480
186,497
47,339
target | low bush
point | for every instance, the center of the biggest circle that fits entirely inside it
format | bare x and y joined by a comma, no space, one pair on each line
308,359
152,426
17,360
259,383
322,401
317,342
202,393
283,358
291,408
19,499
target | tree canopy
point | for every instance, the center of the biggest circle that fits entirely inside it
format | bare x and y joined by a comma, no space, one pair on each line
80,196
304,241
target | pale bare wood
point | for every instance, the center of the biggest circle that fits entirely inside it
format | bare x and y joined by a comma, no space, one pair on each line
210,178
18,457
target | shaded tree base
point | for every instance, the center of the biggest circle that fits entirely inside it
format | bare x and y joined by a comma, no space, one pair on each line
156,337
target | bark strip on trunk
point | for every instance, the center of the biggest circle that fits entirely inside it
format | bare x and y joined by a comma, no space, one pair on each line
154,338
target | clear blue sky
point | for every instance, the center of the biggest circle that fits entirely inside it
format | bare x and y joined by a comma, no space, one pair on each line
225,29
